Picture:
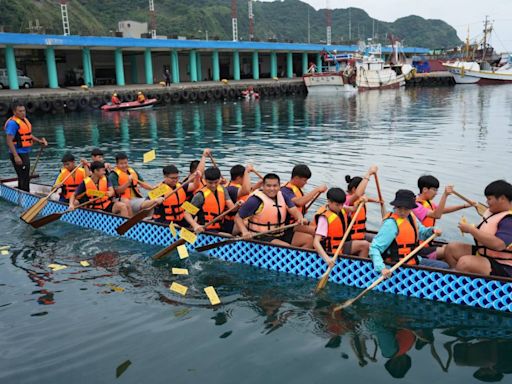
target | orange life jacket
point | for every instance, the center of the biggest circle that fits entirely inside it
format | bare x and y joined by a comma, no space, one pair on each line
23,138
406,240
71,184
358,231
123,178
141,98
102,186
231,216
298,193
490,226
170,210
427,221
271,213
337,226
214,205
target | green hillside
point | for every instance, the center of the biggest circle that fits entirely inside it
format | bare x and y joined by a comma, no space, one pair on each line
281,20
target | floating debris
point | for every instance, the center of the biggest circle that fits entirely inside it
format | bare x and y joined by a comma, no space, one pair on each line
182,252
212,295
122,368
57,267
178,288
180,271
149,156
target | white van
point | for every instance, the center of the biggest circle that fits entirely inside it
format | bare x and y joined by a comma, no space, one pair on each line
23,81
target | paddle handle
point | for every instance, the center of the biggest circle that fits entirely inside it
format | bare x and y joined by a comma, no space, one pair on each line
54,189
283,228
313,201
89,202
213,160
463,197
33,171
379,194
257,174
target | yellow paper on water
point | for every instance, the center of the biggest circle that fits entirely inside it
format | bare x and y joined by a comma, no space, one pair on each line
57,267
188,236
158,191
190,208
178,288
4,252
116,288
4,247
212,295
172,228
182,252
180,271
149,156
95,193
85,263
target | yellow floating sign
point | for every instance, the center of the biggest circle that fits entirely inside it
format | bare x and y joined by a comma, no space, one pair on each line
4,247
85,263
180,271
172,228
212,295
189,237
182,252
4,252
178,288
190,208
95,193
57,267
159,191
149,156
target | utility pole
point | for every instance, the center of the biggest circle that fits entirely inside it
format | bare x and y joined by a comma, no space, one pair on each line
234,20
328,16
152,19
309,29
349,25
251,21
64,15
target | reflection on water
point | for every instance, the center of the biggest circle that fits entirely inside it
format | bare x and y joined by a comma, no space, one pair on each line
57,324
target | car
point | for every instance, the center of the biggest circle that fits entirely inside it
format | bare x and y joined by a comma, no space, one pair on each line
23,80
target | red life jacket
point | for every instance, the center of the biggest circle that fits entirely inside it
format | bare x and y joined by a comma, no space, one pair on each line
406,240
358,231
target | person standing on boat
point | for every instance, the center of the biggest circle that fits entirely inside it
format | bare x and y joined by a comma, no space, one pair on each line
126,181
211,200
266,209
19,138
89,188
115,99
140,97
399,234
491,254
331,222
171,208
67,189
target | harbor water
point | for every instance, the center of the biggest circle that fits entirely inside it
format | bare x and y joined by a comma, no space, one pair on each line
117,321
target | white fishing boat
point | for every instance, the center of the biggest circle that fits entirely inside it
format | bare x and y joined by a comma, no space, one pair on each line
459,69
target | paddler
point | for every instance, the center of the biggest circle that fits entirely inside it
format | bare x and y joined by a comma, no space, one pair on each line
356,189
266,209
96,155
171,208
198,166
211,200
68,188
331,223
489,255
239,189
140,97
115,99
126,182
93,186
399,234
19,138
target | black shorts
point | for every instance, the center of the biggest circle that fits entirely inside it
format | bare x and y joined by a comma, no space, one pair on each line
498,269
425,251
287,237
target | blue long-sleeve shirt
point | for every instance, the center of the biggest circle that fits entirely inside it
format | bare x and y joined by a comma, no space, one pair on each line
387,233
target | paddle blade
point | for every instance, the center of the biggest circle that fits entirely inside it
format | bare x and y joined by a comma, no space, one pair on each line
341,307
481,209
170,248
214,245
323,282
123,228
45,220
33,211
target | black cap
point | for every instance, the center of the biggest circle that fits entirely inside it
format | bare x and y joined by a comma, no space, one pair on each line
96,152
404,199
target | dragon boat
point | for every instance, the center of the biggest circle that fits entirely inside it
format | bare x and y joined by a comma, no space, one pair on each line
492,292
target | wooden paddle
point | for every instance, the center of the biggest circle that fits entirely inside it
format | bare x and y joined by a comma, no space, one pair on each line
257,173
33,171
325,277
480,208
56,216
382,278
179,242
312,201
379,193
240,238
142,214
34,210
213,160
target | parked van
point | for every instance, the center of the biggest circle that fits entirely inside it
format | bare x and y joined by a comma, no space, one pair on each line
23,81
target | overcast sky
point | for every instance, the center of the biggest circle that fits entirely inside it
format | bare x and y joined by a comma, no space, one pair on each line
457,13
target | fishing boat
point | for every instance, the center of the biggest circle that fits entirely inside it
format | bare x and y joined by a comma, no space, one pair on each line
494,293
129,105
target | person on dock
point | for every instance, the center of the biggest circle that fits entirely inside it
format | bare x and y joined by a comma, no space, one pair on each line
239,189
140,97
331,222
428,212
115,99
126,181
167,76
211,200
266,209
493,236
19,138
90,188
399,234
356,189
171,209
68,188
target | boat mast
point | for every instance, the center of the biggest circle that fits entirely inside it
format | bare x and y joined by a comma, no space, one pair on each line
487,30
